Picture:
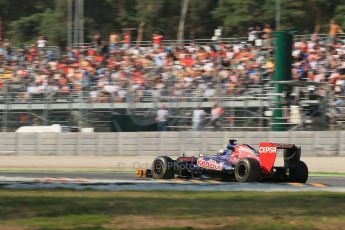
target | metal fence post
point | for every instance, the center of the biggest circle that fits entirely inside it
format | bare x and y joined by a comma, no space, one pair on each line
283,61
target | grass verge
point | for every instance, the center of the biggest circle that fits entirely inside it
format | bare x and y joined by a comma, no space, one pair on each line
65,209
327,174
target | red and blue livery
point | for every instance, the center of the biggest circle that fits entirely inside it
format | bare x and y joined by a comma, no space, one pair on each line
239,162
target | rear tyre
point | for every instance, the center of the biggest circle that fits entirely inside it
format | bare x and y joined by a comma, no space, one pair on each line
247,170
163,168
299,173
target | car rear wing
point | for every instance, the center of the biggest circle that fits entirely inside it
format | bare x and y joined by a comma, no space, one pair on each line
268,154
285,146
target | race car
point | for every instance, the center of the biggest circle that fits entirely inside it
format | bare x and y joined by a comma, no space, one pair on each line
239,162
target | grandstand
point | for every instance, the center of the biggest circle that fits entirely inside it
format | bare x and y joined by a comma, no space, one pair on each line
89,86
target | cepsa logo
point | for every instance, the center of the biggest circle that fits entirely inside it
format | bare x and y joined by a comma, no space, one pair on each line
210,164
267,149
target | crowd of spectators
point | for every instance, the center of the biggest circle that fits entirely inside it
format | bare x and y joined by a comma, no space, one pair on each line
114,71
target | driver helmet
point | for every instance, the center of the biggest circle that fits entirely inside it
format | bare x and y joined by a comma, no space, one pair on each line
232,144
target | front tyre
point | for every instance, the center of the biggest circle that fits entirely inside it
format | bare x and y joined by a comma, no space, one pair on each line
163,168
299,173
248,170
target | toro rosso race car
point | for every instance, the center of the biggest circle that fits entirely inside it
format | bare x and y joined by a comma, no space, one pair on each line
239,162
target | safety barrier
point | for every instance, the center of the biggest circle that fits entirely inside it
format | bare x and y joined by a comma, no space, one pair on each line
326,143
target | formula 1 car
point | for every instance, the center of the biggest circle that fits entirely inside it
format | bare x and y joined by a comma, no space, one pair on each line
239,162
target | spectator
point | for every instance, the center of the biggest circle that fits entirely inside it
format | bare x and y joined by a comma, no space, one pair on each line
126,40
338,103
41,42
258,40
2,51
198,115
180,72
267,36
156,40
231,120
113,41
7,49
35,121
334,29
216,114
209,92
161,118
252,36
97,41
23,119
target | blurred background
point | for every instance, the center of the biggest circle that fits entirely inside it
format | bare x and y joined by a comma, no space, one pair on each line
131,65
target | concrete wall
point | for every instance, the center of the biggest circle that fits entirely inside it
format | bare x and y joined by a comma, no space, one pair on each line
328,143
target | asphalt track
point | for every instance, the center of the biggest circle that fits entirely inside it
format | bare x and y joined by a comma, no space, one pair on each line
128,181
